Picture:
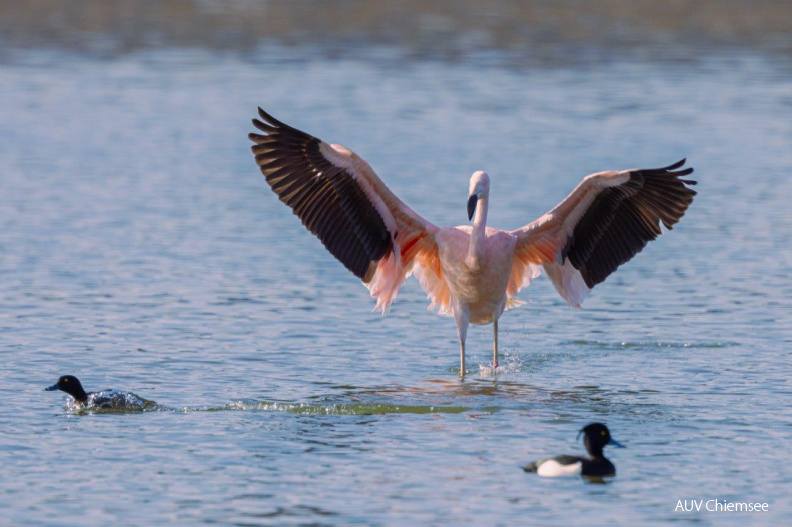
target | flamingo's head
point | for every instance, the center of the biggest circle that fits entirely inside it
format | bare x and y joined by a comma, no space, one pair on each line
479,189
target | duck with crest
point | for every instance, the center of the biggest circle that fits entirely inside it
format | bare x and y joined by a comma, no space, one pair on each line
595,436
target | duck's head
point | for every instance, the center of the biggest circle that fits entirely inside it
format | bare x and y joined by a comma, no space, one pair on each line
71,385
596,436
479,189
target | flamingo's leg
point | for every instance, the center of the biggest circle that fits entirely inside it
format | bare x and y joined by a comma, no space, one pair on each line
461,358
495,345
462,327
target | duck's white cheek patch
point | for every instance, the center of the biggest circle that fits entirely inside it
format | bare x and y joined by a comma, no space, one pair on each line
552,468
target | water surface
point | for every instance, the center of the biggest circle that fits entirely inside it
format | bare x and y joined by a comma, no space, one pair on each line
140,249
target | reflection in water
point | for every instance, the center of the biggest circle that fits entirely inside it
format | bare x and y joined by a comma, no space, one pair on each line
597,480
439,396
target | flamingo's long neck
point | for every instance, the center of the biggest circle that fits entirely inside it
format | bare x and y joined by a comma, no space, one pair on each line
479,234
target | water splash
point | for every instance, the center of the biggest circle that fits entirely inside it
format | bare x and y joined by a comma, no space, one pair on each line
511,363
112,402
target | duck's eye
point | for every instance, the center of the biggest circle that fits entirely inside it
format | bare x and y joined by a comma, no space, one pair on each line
602,433
65,380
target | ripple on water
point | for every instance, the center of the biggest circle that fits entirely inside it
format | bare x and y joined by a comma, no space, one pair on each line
341,408
648,344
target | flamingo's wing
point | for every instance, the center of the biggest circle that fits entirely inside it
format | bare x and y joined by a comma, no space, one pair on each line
341,200
603,223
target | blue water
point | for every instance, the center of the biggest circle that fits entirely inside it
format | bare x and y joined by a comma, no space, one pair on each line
140,249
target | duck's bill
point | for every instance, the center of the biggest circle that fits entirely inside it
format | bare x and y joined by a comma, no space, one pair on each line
616,443
51,388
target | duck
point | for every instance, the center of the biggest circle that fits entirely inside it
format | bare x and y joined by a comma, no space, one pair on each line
596,437
105,399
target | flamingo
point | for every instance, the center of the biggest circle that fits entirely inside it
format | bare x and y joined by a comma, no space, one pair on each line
471,272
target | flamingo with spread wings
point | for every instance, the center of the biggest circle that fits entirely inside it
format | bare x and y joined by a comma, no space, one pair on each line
472,272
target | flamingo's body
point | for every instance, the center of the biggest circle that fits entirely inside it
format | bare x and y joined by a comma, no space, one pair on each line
472,273
477,289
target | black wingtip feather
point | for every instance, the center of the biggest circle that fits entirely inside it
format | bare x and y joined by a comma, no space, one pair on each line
264,115
324,196
623,219
263,126
675,165
685,172
272,121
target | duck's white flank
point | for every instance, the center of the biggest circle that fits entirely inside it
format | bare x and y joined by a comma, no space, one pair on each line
552,468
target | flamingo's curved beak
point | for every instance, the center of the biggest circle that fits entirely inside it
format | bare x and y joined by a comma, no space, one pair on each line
472,201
